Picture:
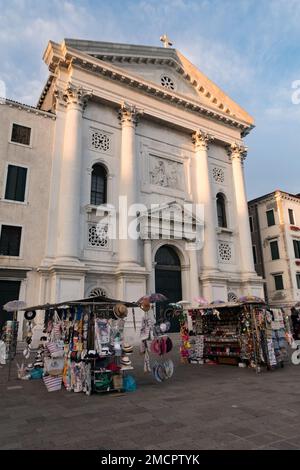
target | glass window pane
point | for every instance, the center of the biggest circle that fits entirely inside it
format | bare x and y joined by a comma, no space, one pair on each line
98,185
10,240
270,218
297,248
15,183
20,134
291,217
278,282
274,250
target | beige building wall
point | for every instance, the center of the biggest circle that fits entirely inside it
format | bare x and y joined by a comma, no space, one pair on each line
284,232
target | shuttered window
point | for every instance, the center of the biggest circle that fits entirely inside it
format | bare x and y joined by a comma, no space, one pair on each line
10,240
15,183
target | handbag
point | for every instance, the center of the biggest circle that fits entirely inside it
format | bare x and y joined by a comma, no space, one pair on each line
55,348
54,366
53,383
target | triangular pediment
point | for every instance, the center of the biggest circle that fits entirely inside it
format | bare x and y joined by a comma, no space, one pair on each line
166,67
151,70
173,220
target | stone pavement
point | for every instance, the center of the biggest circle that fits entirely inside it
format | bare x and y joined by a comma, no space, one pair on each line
201,407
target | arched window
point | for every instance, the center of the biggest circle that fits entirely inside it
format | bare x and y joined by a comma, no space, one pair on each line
99,184
221,210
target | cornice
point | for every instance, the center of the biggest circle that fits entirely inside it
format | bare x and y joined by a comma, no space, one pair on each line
158,92
170,57
273,196
75,58
29,109
45,90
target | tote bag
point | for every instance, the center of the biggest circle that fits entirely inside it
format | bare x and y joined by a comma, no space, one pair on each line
53,383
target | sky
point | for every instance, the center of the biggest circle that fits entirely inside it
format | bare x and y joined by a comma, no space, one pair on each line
250,48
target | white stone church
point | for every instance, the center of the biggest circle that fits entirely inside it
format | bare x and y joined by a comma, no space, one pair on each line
116,120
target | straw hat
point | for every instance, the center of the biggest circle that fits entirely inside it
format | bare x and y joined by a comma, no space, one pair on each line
145,305
120,311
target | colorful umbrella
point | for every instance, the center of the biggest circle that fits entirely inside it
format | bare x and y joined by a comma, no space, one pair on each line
251,299
201,300
217,302
153,298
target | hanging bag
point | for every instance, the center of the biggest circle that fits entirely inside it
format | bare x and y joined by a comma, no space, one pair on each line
54,366
53,384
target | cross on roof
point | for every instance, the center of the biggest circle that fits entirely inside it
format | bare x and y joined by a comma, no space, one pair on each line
166,41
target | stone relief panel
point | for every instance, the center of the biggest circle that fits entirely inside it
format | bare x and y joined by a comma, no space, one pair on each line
166,173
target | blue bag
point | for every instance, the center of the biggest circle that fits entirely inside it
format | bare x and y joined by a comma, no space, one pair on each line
129,383
36,373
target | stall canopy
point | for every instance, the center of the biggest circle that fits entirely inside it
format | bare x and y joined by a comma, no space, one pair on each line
97,300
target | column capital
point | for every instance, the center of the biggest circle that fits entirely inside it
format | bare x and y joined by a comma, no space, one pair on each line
237,151
129,114
201,139
72,94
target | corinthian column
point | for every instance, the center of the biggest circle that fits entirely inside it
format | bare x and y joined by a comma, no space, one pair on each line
70,175
204,196
128,247
237,155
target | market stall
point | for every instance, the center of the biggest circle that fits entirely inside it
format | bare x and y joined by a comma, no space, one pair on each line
82,346
244,333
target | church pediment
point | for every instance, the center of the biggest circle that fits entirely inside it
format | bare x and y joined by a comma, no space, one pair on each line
162,72
166,67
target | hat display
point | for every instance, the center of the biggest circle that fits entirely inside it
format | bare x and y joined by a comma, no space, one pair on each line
30,315
145,305
125,361
164,371
127,348
155,346
169,368
120,311
113,367
169,344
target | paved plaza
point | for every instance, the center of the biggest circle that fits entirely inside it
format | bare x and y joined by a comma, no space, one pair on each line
201,407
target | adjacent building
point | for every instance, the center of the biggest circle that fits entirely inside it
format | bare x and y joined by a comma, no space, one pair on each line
275,231
123,120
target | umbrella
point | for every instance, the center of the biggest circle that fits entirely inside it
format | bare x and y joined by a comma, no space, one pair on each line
217,302
201,300
251,299
14,305
153,298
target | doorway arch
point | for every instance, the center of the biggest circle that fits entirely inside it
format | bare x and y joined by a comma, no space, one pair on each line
168,280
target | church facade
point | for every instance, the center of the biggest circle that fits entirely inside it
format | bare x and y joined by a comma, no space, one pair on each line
123,124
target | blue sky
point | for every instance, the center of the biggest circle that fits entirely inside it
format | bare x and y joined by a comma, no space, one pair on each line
250,48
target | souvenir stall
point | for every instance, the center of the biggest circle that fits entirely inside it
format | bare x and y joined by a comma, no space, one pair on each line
245,333
155,342
82,347
295,320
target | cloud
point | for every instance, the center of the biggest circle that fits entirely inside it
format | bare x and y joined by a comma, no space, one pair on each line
248,48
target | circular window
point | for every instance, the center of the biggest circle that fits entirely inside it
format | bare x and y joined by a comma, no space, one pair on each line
167,82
